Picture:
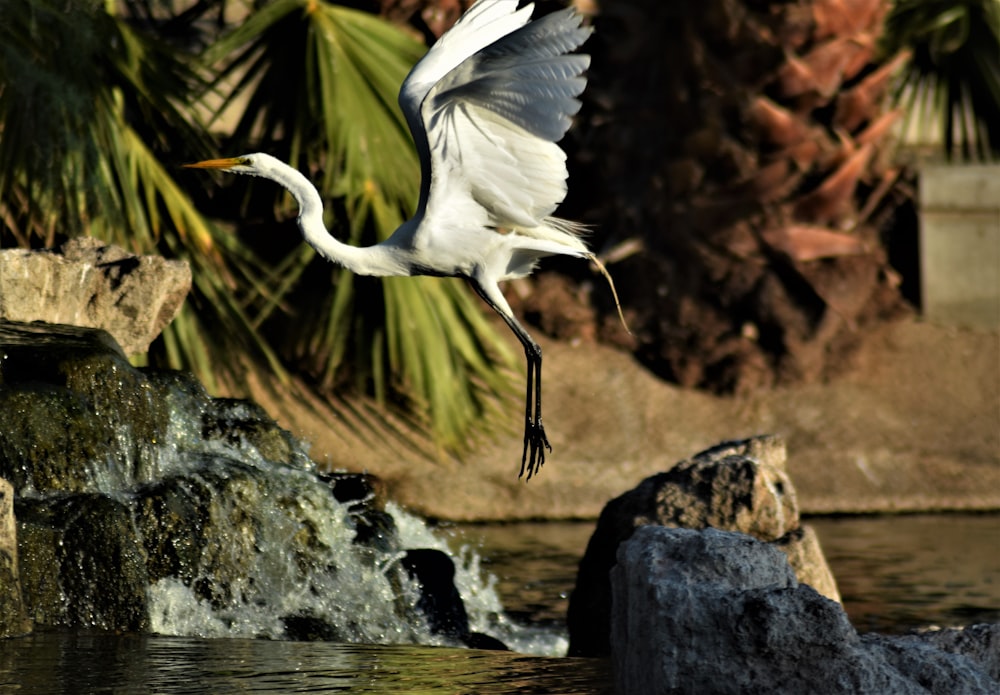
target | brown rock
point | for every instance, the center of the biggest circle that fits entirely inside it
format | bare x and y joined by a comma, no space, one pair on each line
13,618
738,486
805,555
90,284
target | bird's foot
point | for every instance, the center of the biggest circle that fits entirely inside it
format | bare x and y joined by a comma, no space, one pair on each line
535,444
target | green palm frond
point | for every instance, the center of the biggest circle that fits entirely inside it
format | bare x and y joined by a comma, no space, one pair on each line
47,159
320,83
213,326
94,101
88,109
951,84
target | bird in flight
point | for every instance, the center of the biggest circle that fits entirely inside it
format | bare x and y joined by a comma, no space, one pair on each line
486,106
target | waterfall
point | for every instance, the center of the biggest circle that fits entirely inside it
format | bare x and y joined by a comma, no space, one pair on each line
145,505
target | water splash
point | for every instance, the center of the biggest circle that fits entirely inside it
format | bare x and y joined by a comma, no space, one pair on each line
210,518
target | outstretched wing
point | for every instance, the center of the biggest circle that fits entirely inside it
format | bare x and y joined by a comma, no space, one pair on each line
488,104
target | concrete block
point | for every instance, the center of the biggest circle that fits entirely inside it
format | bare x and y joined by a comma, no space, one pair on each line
960,244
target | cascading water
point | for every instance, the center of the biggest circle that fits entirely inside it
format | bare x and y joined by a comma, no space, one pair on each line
202,517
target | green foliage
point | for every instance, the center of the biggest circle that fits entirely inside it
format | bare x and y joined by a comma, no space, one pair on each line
952,81
91,109
320,83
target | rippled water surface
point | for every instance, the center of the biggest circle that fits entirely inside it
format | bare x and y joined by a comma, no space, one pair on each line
900,573
92,663
895,573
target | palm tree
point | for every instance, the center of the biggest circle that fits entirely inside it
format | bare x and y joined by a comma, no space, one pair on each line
94,102
90,109
744,145
319,81
950,87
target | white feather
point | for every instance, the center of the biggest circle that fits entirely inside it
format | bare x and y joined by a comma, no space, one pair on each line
486,106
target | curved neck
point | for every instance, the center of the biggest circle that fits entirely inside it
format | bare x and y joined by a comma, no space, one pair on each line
371,260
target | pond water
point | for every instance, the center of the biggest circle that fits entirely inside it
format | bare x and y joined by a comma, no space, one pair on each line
123,665
895,573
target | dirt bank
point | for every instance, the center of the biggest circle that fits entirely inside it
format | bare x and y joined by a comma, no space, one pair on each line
915,425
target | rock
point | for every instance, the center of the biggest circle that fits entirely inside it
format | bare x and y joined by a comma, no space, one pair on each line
721,612
980,643
740,486
77,416
143,504
440,602
13,618
364,495
91,284
736,486
805,555
83,565
309,628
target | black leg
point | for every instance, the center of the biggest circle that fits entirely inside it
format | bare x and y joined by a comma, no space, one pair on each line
535,441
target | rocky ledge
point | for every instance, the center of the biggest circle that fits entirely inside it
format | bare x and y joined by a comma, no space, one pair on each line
91,284
703,579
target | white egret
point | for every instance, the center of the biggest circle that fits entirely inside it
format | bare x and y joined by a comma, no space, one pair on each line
486,106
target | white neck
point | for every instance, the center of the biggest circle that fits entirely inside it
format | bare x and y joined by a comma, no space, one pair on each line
380,259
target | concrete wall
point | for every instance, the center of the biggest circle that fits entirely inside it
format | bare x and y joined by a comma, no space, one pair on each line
960,244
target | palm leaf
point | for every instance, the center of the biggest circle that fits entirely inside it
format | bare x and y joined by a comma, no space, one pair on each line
951,85
320,82
84,130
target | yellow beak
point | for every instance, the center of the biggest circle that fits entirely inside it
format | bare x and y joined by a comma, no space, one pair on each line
226,163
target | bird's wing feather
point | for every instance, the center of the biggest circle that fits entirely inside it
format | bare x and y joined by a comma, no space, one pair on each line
491,122
514,176
481,25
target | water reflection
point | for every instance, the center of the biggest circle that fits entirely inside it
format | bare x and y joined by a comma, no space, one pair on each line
899,573
93,663
895,573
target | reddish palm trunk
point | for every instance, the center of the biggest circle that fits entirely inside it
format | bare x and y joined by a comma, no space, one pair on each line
743,143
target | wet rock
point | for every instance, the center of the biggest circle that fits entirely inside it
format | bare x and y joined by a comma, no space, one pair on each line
736,486
360,490
173,517
375,529
89,283
309,628
13,618
144,504
77,416
440,601
205,528
721,612
82,563
237,423
365,496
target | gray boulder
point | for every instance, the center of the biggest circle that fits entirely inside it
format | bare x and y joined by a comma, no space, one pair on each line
736,486
721,612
